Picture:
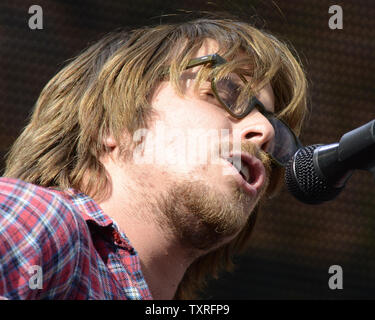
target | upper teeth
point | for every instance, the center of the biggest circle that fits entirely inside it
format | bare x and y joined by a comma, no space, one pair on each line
241,167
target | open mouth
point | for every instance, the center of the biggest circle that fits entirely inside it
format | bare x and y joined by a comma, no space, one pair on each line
250,172
242,168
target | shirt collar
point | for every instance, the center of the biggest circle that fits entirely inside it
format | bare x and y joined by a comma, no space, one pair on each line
94,216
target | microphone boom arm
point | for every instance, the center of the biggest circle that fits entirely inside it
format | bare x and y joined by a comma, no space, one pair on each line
355,150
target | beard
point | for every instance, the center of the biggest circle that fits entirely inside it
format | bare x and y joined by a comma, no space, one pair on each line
201,217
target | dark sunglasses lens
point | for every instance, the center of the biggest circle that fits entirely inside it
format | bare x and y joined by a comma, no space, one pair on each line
230,92
284,144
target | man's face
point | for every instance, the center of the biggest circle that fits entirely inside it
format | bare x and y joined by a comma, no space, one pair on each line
184,156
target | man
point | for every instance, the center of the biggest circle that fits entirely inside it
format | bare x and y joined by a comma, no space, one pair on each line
106,190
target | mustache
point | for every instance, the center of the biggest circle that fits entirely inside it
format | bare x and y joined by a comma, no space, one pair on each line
250,148
256,151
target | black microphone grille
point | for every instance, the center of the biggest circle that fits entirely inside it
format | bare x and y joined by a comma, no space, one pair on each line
302,180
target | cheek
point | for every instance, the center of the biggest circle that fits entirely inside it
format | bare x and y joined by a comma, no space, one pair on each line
173,156
190,111
187,131
183,152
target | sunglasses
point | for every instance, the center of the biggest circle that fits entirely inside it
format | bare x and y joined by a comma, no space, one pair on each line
230,91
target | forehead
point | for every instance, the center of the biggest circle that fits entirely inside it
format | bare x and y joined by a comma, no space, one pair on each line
209,46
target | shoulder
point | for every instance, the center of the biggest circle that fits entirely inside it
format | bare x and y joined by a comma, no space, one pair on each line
29,206
38,227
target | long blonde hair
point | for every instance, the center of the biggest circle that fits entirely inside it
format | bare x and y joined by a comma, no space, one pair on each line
106,90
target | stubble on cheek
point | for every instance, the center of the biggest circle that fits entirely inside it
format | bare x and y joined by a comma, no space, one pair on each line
199,212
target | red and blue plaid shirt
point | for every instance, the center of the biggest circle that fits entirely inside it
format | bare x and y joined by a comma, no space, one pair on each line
80,251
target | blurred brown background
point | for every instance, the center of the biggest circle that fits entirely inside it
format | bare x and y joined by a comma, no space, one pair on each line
293,244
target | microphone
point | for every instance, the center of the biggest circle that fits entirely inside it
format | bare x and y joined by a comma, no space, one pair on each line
318,173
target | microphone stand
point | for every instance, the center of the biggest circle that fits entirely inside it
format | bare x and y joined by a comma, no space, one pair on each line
360,141
355,150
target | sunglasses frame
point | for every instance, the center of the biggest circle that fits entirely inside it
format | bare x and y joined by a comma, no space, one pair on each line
215,60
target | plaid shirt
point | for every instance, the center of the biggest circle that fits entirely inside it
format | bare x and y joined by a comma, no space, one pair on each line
78,250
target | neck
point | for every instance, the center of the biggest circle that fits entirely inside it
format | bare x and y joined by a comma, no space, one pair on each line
163,264
163,260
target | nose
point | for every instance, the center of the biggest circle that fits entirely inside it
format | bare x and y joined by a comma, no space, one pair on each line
258,130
